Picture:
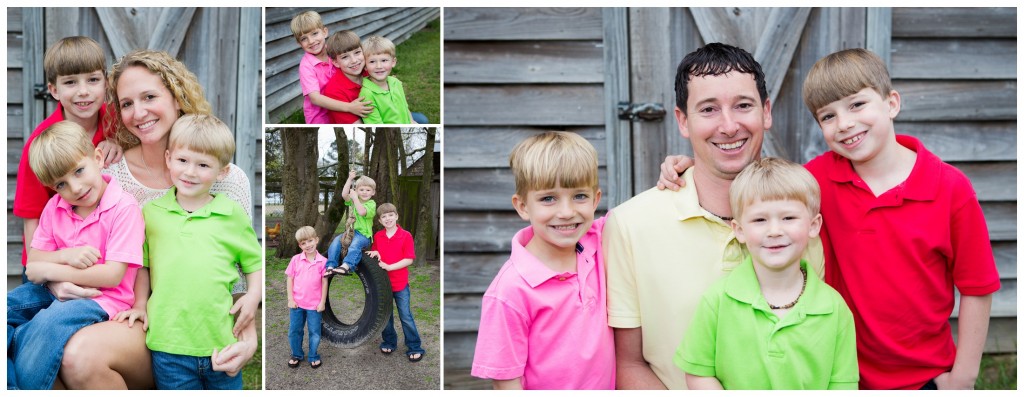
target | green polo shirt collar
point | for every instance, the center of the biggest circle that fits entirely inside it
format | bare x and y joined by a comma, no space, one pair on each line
220,204
742,286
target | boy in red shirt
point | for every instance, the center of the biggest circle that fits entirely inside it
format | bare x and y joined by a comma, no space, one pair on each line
345,52
74,68
394,249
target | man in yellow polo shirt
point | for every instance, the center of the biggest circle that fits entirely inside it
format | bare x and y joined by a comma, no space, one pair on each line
665,248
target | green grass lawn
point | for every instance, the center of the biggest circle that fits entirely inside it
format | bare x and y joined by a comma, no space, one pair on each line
998,372
419,68
252,373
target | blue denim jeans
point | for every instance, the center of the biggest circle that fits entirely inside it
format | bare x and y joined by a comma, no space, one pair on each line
419,118
41,326
180,372
311,319
355,251
412,336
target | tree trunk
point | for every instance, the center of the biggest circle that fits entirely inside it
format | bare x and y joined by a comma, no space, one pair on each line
383,164
424,234
299,186
335,211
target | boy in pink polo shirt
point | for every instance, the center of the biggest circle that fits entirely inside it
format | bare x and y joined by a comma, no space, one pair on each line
394,249
544,318
307,296
90,234
315,70
74,68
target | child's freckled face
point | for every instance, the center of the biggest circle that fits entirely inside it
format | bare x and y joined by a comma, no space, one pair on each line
193,173
350,62
379,66
313,42
80,95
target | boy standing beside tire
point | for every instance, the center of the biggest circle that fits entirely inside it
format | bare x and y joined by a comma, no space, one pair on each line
307,296
394,249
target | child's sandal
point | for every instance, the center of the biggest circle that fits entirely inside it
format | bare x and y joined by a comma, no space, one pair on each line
293,362
316,364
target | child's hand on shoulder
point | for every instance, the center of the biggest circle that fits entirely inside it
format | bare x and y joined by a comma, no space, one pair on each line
132,315
246,308
79,257
111,152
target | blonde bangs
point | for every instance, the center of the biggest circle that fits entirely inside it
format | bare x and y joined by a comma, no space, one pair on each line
842,74
205,134
771,179
58,150
554,159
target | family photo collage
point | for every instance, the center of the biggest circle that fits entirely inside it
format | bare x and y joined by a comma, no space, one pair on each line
476,198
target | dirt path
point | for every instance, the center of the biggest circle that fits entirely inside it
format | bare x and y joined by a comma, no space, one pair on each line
364,367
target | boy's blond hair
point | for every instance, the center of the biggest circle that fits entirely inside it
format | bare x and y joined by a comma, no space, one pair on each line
773,178
58,150
205,134
552,159
73,55
341,42
305,233
844,73
377,44
386,208
365,181
182,84
306,22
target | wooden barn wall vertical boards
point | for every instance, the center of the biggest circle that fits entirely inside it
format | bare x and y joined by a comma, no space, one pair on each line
512,72
284,96
220,45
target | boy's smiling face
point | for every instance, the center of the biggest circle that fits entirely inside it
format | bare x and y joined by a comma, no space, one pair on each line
350,62
559,217
859,126
193,173
364,192
776,232
313,41
389,220
83,186
379,66
80,95
308,245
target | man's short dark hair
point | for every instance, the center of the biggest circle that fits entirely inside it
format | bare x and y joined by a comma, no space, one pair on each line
716,59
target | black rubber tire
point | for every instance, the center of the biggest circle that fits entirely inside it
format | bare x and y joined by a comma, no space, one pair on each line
377,307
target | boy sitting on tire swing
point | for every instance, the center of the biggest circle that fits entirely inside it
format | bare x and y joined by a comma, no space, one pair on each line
394,249
360,198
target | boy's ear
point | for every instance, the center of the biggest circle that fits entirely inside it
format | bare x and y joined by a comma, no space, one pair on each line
98,156
894,102
224,173
815,226
520,205
53,90
597,197
738,231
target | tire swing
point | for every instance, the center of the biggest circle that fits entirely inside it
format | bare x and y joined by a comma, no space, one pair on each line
377,306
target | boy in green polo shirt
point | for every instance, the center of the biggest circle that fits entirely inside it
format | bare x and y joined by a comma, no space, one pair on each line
771,323
383,90
193,240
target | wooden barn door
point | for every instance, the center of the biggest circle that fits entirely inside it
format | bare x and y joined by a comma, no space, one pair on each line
785,41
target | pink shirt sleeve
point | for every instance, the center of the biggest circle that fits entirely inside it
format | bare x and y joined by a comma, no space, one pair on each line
43,237
501,349
307,77
291,270
126,236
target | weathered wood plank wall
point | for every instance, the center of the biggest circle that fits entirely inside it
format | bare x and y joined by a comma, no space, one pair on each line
284,96
955,69
220,45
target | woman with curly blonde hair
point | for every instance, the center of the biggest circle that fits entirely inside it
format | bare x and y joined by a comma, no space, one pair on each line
147,92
